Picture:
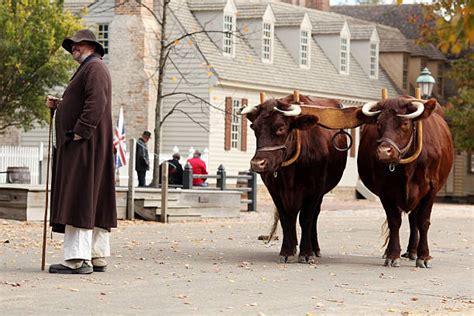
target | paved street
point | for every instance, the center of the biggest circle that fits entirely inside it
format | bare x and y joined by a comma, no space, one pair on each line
219,267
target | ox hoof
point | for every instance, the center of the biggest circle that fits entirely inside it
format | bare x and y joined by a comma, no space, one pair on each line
307,259
287,259
392,262
318,254
409,255
421,263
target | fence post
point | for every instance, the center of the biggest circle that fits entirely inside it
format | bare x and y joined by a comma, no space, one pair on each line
188,177
164,191
221,177
252,195
131,187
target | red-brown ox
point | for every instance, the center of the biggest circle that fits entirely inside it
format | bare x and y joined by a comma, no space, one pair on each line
405,166
299,186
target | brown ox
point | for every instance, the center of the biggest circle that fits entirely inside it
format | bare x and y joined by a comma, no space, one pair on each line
403,169
299,186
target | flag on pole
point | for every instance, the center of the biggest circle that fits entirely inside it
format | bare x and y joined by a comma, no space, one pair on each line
119,142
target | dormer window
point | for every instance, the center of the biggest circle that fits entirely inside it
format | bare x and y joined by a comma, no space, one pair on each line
229,29
267,42
304,49
344,62
374,61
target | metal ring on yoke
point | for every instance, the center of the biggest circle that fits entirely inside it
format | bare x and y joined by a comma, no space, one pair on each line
341,131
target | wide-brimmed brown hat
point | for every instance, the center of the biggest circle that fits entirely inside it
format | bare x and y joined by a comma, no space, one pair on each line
83,36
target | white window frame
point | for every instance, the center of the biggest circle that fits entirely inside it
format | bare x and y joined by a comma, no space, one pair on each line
374,61
235,125
267,41
344,55
305,48
228,39
103,36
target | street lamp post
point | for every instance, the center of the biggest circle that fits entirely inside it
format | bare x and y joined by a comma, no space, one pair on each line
426,83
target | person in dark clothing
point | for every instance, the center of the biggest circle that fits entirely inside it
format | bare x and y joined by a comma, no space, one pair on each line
175,170
142,161
83,205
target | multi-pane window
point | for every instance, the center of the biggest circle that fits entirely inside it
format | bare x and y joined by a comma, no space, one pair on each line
267,45
374,63
405,72
103,37
344,65
235,125
228,35
304,56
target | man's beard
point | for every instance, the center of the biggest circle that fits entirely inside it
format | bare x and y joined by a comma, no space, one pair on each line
79,57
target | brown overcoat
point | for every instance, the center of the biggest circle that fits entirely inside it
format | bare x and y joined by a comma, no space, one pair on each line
83,185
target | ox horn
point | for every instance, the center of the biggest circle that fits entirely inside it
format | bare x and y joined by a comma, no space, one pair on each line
293,110
419,109
248,109
368,106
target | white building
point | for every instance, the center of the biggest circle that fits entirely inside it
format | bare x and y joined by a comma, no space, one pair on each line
275,49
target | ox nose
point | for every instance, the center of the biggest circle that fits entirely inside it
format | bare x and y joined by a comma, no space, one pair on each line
258,165
385,152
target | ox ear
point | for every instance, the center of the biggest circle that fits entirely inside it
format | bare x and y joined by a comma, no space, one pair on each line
304,121
250,116
429,105
364,118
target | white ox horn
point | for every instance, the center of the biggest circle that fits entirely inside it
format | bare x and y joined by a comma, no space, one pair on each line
293,110
419,109
368,106
248,109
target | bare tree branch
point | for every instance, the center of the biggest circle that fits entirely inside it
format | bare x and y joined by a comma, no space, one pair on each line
192,119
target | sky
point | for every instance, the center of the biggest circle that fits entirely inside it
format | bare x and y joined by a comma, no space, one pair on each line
340,2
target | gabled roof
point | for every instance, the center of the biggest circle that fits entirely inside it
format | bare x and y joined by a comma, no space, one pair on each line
284,73
361,32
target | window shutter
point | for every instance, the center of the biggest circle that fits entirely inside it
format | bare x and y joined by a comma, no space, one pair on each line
243,128
228,122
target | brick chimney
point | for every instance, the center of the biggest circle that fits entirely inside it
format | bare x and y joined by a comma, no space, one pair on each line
313,4
322,5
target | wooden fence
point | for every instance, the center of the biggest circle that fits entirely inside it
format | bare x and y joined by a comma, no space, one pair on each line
17,156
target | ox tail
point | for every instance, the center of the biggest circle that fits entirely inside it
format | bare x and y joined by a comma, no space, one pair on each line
385,232
276,218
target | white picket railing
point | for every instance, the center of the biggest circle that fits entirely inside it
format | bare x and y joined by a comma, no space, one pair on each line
32,157
17,156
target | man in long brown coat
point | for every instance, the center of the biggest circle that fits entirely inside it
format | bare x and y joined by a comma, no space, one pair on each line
83,191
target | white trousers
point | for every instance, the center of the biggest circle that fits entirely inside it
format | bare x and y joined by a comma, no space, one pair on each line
85,244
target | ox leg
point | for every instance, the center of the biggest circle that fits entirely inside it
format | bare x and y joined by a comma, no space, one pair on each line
394,219
288,247
413,242
423,223
307,223
314,233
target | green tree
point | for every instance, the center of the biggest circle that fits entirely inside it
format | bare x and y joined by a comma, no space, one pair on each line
450,25
32,60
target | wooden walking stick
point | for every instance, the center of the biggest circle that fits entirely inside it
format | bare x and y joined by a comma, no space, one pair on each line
43,257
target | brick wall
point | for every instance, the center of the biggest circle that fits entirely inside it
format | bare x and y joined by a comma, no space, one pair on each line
133,7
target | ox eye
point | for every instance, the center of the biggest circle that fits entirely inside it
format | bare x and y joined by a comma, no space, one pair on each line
281,130
251,126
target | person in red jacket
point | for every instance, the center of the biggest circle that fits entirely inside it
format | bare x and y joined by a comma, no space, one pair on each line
199,167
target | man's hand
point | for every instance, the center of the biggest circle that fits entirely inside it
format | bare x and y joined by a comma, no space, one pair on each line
52,102
77,137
